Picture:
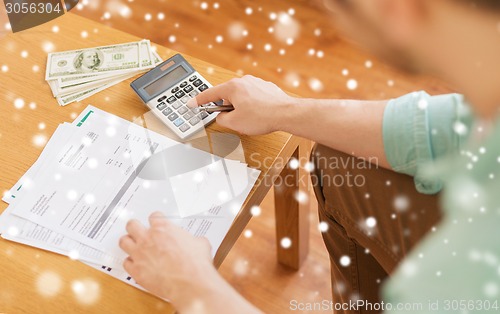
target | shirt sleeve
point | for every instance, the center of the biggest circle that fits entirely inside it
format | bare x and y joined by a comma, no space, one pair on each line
455,265
419,128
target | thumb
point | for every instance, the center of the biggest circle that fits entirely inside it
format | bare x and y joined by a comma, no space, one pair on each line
225,119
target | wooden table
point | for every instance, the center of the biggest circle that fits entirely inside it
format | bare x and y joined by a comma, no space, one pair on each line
30,115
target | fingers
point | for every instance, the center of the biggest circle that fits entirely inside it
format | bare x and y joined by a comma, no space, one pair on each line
224,120
128,265
157,219
127,244
135,229
222,91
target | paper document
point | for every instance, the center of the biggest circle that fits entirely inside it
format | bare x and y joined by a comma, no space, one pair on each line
99,172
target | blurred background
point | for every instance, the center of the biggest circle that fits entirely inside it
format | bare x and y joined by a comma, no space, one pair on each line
292,43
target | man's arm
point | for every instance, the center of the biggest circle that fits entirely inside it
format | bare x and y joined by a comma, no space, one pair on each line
414,129
172,264
402,134
351,126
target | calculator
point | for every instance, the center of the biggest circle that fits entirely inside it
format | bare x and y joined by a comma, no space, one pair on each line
167,88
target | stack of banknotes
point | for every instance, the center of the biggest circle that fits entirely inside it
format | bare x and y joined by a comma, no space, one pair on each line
77,74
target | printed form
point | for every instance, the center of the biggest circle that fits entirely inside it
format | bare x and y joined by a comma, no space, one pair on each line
104,172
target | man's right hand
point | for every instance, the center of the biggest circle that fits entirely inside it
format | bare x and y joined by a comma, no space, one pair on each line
257,104
352,126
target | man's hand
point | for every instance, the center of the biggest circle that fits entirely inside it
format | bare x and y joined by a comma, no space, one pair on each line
351,126
171,263
165,258
257,104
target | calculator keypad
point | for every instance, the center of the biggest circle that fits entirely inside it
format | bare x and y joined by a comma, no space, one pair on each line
173,106
189,115
184,127
194,121
178,122
197,83
182,110
161,106
185,99
173,116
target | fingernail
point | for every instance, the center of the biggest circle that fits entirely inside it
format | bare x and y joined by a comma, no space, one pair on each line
192,103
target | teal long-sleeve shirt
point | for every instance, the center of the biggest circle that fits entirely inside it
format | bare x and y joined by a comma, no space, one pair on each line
456,268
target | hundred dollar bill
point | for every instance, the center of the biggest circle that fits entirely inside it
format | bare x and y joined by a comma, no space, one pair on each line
79,91
66,90
108,59
66,100
69,81
147,59
78,96
157,58
147,62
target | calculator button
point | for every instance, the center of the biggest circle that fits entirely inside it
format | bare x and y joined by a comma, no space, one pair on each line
184,127
203,87
182,110
203,114
195,110
183,84
175,90
188,89
167,111
193,93
188,115
193,78
173,116
162,98
171,99
185,99
178,122
197,83
180,94
177,105
194,120
162,106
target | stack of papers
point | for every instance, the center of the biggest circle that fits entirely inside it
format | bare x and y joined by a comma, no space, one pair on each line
77,74
100,171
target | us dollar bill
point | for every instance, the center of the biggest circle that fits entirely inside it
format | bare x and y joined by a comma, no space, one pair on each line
99,60
58,91
149,58
78,96
68,89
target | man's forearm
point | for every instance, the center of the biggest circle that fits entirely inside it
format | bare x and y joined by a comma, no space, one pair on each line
350,126
211,294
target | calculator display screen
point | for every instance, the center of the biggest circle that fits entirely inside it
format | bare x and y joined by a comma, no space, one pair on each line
166,81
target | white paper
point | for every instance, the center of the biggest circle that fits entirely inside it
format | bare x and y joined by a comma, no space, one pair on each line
199,190
140,198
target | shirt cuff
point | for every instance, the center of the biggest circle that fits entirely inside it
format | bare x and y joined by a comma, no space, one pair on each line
417,129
